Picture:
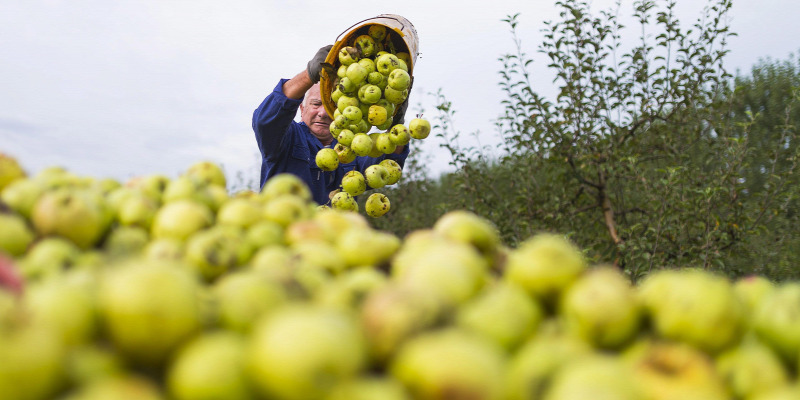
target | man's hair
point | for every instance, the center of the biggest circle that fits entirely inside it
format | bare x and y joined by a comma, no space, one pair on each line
305,96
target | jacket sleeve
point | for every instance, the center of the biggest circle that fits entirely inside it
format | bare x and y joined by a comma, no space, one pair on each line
271,121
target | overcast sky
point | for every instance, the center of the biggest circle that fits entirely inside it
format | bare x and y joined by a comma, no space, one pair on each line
126,88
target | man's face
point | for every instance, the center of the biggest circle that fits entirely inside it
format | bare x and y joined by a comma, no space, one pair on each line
313,114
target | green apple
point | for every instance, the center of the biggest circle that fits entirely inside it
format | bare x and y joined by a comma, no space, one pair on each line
368,64
149,309
348,55
341,72
287,209
386,63
215,251
126,241
207,172
395,313
390,107
419,128
73,213
394,169
303,351
776,321
345,137
327,159
384,143
600,376
15,235
369,94
545,265
502,313
386,125
450,361
353,182
347,87
64,307
344,201
137,210
375,152
369,388
377,32
21,195
10,170
378,79
165,249
365,247
694,306
467,227
285,183
180,219
210,366
366,45
242,297
376,176
399,80
361,144
353,114
400,135
239,212
346,154
357,74
402,65
395,96
750,369
48,257
601,307
377,205
32,363
404,57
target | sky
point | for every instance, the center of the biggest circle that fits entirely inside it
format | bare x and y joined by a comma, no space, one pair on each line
119,89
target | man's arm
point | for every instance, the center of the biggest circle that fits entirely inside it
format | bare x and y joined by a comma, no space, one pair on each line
297,87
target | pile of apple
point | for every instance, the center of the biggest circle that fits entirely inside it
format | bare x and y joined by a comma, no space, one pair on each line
372,79
171,288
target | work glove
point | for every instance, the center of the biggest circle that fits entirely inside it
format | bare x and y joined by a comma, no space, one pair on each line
315,64
399,115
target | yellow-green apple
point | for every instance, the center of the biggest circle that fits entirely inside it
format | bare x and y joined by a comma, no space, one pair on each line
403,56
419,128
377,32
377,205
395,96
399,80
369,94
32,364
601,307
376,176
368,64
327,159
347,100
286,209
244,296
384,143
600,376
366,247
180,219
361,144
751,369
545,265
285,183
210,366
73,213
502,313
377,115
21,195
345,137
149,309
303,351
450,364
215,251
353,114
165,249
394,170
207,172
348,55
467,227
48,257
400,135
344,201
378,79
10,170
386,63
125,241
353,182
368,388
15,234
137,210
356,73
239,212
366,45
345,154
341,71
776,321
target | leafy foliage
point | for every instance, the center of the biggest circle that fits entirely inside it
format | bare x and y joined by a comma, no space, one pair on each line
646,157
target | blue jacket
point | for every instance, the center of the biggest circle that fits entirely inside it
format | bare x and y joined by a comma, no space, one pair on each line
289,146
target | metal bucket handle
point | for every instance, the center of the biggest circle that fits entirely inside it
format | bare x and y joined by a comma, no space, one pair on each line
387,16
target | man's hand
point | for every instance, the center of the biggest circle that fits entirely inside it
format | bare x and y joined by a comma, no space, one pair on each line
315,64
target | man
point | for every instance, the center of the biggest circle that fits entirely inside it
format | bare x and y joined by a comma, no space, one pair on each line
289,146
